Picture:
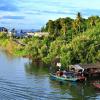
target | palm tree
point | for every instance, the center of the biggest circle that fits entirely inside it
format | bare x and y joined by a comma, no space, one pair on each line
64,29
74,25
92,21
79,21
51,27
63,26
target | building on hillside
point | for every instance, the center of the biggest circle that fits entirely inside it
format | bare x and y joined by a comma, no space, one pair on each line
30,34
3,29
9,34
40,34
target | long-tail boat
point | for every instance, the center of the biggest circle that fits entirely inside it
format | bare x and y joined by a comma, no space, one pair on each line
67,78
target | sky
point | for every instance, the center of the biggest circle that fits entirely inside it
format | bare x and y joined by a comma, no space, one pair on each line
33,14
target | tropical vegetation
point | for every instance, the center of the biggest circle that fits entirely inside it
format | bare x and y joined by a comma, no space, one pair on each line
70,41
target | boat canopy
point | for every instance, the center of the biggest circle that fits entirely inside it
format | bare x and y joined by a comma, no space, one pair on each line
76,67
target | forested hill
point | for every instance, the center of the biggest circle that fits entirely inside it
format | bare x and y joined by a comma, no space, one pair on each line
75,40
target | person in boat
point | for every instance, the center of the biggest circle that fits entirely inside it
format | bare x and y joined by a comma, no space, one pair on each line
80,73
65,73
68,74
59,73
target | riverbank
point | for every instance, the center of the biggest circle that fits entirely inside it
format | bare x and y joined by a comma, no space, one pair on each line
11,47
75,45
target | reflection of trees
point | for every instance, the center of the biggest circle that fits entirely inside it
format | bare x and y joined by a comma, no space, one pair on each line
78,91
7,54
73,91
82,91
36,68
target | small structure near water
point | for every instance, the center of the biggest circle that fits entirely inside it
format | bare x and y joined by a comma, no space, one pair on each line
89,70
76,68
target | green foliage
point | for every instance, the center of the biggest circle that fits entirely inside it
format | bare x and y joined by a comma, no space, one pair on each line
50,26
4,42
71,41
3,35
77,46
54,50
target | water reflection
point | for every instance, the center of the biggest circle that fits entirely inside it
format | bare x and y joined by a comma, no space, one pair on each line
65,90
37,68
6,54
22,79
77,91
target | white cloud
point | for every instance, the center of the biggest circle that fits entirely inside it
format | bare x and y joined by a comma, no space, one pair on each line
38,12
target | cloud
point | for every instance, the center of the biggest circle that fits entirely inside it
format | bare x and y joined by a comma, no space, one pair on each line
57,12
40,12
35,13
13,17
8,5
90,12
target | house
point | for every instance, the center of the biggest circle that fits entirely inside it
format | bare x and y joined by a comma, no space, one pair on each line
40,34
9,34
30,33
3,29
86,66
91,69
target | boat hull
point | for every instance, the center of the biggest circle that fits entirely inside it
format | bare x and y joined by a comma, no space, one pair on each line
73,79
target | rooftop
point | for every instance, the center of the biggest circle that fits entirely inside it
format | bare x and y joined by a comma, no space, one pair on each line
97,65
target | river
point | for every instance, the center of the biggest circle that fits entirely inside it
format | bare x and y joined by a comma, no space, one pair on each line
20,79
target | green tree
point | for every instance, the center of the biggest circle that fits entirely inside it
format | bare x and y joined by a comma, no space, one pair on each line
51,27
79,21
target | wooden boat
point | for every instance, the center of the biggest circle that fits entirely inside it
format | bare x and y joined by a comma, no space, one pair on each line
96,84
67,78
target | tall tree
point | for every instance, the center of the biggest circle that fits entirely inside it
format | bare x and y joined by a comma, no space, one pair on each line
74,26
79,21
51,27
63,26
92,21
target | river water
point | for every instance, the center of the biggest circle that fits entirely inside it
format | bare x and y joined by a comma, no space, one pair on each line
20,79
